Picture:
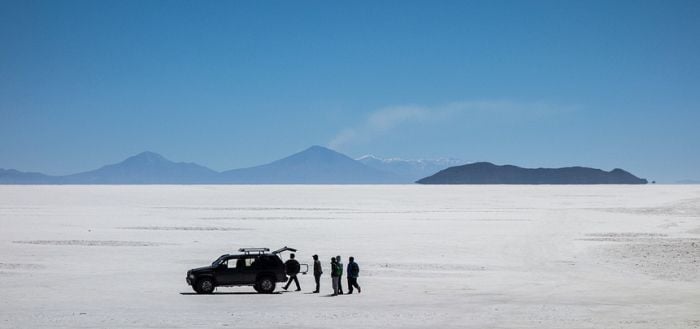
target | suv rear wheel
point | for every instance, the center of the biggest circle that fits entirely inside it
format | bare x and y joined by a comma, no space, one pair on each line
265,285
205,286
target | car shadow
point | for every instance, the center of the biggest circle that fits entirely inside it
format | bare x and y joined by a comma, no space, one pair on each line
229,293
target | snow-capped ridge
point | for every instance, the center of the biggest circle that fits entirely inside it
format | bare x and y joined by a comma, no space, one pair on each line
410,169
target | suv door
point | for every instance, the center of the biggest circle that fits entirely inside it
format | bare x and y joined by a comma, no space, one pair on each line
227,273
248,271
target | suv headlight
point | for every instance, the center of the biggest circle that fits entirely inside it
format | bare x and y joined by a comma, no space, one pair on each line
191,276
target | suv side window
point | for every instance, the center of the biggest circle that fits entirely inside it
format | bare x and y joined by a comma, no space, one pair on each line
249,262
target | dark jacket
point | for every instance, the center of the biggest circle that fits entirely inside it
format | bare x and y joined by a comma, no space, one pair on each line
317,267
336,270
292,267
340,266
353,270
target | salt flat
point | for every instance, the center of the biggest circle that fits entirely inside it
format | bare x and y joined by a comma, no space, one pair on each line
430,256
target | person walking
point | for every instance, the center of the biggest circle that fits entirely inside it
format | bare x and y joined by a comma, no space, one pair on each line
353,273
317,274
292,268
335,275
340,278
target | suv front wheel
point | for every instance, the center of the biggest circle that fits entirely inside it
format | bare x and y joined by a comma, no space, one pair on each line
205,286
265,285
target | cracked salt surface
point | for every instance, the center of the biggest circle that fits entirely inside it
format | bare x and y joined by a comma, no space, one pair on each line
186,228
91,243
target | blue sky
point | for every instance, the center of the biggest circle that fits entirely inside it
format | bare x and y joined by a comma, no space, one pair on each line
231,84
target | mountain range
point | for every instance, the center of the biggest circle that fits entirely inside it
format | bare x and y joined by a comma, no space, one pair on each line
144,168
320,165
409,170
315,165
489,173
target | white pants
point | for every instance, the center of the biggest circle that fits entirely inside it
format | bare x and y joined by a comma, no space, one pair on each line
336,281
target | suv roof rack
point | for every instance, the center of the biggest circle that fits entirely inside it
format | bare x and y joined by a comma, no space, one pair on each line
250,250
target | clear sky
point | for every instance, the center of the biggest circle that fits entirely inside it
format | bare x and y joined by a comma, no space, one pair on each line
230,84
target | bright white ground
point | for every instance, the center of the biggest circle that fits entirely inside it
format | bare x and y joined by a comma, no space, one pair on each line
431,256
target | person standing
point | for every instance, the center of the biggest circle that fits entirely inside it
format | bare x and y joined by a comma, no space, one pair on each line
353,273
292,268
340,278
317,273
335,275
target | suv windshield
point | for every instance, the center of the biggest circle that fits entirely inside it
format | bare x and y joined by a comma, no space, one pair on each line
218,261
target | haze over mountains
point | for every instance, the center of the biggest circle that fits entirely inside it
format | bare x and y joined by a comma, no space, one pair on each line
320,165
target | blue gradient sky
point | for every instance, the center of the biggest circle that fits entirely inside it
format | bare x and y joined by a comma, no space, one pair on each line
230,84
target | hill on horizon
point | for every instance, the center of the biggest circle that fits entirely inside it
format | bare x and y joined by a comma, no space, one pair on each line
144,168
489,173
12,176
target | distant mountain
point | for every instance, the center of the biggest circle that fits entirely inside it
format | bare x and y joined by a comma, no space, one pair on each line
489,173
688,181
11,176
144,168
410,170
315,165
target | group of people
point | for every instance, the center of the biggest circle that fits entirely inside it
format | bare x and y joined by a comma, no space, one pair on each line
292,268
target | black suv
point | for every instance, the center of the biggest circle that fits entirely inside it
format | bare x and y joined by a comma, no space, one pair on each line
255,267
